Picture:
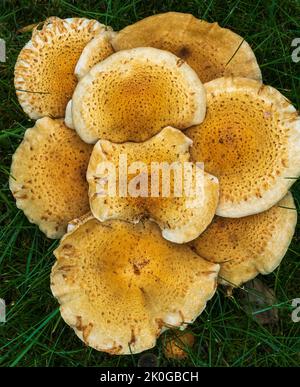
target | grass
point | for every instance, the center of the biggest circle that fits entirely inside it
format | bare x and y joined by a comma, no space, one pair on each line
34,334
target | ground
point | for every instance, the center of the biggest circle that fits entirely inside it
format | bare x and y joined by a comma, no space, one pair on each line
34,334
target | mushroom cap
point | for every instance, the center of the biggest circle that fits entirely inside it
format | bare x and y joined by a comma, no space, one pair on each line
44,71
48,176
250,140
245,247
178,346
94,52
120,285
140,91
182,215
210,50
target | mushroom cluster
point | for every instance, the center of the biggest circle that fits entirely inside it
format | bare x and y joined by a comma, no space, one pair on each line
169,89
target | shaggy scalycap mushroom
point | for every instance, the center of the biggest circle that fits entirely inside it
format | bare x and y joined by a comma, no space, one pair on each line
44,71
245,247
210,50
182,215
133,94
47,176
120,285
249,140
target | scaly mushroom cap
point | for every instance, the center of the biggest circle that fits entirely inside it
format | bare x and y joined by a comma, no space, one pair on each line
210,50
48,176
98,49
140,91
250,140
245,247
44,71
182,215
120,285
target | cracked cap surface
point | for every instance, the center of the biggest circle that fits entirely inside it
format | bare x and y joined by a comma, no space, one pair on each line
120,285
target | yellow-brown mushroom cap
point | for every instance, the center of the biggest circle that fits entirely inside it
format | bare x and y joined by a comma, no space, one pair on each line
245,247
155,188
178,346
249,140
120,285
98,49
48,176
44,71
212,51
133,94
